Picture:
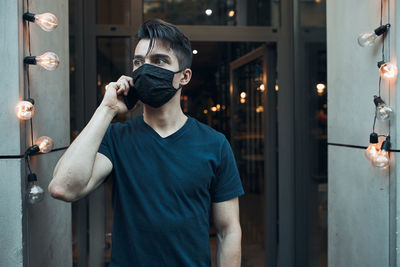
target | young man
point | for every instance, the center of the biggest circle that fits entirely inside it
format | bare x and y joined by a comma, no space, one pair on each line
169,169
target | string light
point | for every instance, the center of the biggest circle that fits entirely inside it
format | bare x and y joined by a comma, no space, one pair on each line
321,88
382,158
47,21
368,39
387,70
372,151
25,109
48,60
383,111
35,192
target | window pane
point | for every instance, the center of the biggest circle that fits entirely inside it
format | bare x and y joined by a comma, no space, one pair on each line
113,12
213,12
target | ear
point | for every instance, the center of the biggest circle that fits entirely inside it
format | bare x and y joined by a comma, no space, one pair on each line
187,75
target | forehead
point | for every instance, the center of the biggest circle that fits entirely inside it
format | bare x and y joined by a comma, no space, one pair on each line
158,48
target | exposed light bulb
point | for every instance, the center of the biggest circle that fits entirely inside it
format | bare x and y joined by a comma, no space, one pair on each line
321,89
368,39
372,151
382,158
208,12
25,109
383,111
45,144
387,70
35,192
48,60
47,21
243,95
195,52
231,13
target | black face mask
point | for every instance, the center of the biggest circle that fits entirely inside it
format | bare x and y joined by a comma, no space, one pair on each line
153,85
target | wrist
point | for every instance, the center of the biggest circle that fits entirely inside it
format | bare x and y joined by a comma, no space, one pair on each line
107,111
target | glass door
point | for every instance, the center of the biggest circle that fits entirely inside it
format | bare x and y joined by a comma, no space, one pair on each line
252,103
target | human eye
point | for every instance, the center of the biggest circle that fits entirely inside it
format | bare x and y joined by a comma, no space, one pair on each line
160,61
137,62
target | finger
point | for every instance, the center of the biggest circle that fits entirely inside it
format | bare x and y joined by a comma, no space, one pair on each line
121,87
130,80
126,84
127,78
111,85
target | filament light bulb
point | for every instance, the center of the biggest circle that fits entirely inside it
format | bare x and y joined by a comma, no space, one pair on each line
48,60
383,111
372,151
47,21
45,144
35,192
368,39
25,109
387,70
382,158
320,88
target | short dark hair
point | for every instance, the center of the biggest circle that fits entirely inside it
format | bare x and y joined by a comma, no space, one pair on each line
170,36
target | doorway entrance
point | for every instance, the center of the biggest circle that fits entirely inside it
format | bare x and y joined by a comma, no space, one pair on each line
237,52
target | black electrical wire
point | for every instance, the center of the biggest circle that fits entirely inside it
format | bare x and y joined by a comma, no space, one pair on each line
27,69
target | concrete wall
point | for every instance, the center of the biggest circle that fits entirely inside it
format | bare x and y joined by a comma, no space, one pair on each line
40,234
362,198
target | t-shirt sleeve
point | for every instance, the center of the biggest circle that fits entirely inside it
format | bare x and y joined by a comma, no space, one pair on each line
106,145
226,184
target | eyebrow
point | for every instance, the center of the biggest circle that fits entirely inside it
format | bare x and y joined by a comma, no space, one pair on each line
165,56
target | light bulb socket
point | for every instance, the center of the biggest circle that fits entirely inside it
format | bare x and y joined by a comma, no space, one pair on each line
32,177
382,29
373,138
29,17
378,101
30,100
32,150
386,145
31,60
380,63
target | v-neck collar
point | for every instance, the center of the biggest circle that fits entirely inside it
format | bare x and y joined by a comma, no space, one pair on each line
171,137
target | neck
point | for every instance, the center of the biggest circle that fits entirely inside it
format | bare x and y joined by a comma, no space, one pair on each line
166,119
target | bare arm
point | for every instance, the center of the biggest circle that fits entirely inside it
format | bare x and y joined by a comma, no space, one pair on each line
81,168
229,233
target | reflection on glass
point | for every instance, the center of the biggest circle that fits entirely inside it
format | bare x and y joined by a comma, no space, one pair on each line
113,12
213,12
248,146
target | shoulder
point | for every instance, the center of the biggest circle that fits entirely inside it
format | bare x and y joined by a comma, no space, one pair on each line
118,127
207,132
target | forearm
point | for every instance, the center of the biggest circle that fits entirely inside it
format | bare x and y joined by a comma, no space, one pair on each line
74,168
229,248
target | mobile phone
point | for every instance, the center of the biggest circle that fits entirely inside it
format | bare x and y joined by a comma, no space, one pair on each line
130,100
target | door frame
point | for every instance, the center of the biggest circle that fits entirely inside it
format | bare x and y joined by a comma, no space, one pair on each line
286,37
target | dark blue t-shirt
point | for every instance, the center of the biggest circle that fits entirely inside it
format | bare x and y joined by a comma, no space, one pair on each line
163,190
